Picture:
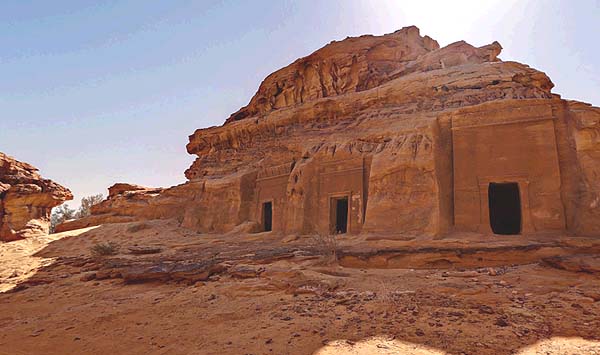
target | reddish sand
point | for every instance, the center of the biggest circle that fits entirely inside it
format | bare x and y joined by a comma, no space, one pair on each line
276,296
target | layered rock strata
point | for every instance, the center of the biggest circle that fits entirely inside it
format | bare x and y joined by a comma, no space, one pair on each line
26,200
393,135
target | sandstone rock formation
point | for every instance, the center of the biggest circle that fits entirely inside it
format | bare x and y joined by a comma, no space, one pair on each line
125,203
26,200
391,135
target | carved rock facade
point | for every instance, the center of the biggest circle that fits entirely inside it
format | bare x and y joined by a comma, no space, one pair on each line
26,200
394,135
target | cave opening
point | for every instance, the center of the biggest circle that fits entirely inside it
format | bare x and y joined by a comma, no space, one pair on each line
340,205
267,216
505,208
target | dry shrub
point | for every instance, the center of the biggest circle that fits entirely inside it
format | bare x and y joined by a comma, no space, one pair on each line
386,294
105,249
390,296
326,246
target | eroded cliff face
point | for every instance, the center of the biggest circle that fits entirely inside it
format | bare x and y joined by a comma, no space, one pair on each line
582,123
357,64
417,96
391,126
26,199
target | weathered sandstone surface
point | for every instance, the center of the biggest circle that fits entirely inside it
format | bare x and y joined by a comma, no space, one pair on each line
26,200
389,135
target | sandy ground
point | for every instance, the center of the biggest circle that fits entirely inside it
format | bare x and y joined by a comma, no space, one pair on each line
275,296
17,260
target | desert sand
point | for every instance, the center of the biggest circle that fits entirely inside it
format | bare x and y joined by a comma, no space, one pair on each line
268,294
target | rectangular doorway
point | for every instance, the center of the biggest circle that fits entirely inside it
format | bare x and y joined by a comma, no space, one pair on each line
339,207
267,212
505,208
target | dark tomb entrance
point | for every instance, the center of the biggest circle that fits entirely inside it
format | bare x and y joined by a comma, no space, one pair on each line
505,208
267,216
340,218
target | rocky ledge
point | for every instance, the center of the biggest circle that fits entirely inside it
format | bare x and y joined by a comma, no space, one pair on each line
26,200
125,203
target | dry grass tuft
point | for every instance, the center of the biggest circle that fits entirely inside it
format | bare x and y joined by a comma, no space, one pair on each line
393,297
105,249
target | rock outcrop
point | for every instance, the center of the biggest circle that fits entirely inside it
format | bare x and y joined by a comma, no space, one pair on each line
26,200
393,135
358,64
125,203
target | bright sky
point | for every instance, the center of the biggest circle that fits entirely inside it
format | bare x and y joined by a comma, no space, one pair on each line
105,92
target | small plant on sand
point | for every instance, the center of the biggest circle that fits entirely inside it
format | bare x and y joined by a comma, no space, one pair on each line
104,249
326,246
386,295
392,297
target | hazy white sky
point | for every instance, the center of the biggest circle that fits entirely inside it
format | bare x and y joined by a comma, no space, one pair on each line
94,94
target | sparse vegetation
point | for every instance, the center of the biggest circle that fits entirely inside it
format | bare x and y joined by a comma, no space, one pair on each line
60,214
326,246
87,203
387,295
104,249
64,213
